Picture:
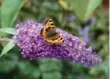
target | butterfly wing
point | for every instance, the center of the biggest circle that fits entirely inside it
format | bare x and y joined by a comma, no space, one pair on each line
55,42
49,28
49,33
49,22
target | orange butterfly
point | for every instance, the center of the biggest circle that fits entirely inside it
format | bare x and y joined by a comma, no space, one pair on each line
49,33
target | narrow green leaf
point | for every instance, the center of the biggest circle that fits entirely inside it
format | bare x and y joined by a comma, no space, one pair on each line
0,16
8,30
8,47
9,11
63,4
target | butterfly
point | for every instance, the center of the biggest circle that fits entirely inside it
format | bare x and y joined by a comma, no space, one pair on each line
49,33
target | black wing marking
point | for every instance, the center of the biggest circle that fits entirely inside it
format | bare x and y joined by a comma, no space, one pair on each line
41,32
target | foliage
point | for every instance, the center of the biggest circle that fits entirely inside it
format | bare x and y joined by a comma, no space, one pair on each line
9,10
68,15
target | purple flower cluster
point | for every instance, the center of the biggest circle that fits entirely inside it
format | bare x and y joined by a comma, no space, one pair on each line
33,46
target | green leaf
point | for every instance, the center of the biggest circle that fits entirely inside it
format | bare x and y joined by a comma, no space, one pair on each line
8,30
52,75
27,68
83,8
63,4
93,4
8,47
9,11
11,59
50,67
47,65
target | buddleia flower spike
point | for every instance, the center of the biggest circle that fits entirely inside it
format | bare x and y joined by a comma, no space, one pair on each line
33,46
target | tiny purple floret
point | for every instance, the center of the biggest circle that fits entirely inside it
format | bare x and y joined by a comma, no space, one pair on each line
33,46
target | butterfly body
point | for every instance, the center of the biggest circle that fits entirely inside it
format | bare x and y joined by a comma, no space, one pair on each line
49,33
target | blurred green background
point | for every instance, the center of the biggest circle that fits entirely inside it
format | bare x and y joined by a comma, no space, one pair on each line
86,19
